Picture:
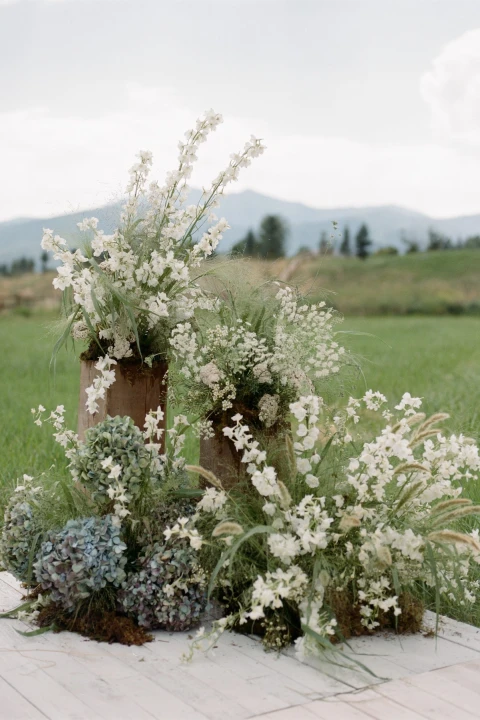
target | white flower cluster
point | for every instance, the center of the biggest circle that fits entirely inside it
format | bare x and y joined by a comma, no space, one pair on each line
117,492
218,363
270,591
305,348
101,383
66,438
296,355
124,285
183,529
393,498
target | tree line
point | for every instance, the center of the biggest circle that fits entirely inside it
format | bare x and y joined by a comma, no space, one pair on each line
270,241
23,265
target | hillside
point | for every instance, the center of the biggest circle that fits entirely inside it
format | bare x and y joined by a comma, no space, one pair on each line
425,283
245,210
435,283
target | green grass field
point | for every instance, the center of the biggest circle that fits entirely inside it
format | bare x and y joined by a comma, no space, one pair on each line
437,358
433,283
434,357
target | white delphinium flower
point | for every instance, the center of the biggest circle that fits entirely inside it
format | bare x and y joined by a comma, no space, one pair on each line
271,590
140,277
409,404
212,500
183,529
101,383
118,494
64,437
284,546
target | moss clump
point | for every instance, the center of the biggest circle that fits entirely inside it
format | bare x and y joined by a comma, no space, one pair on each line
97,624
349,619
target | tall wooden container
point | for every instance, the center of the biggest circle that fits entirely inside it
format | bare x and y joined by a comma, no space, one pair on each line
218,453
137,390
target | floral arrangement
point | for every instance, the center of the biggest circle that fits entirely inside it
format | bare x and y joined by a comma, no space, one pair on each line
337,534
116,556
344,540
257,359
345,536
125,292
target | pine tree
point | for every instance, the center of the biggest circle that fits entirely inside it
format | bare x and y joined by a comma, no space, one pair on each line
251,245
345,248
272,237
44,261
248,246
362,242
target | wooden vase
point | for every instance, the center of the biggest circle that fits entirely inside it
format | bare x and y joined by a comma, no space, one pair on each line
218,453
137,390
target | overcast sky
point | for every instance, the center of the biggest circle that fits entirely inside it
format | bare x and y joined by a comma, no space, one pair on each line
360,102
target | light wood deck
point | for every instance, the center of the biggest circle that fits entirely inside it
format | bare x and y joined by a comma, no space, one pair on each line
64,677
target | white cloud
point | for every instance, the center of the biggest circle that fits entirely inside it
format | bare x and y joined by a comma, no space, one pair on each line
53,164
452,89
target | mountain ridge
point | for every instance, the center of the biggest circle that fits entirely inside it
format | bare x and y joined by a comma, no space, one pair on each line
245,210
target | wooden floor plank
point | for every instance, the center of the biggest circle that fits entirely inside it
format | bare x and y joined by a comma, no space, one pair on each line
13,706
466,675
64,677
421,702
438,683
340,710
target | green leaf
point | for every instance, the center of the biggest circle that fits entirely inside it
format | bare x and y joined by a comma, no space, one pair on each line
19,608
230,553
33,633
62,339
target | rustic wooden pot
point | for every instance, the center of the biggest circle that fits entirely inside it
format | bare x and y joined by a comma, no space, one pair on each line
218,453
137,390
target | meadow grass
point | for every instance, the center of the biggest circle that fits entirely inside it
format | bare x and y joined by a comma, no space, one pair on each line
437,358
435,283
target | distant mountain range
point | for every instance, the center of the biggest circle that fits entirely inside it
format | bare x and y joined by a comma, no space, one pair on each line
244,210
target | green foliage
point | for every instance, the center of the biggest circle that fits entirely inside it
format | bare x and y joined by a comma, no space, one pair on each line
249,246
472,242
430,283
388,250
272,237
438,241
345,248
362,242
119,439
167,590
81,559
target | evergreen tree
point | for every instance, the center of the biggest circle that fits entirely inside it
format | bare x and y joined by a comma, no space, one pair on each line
345,248
248,246
362,242
251,244
272,237
437,241
44,261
